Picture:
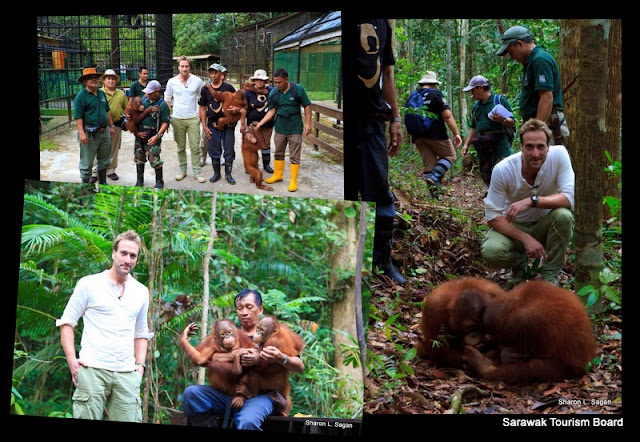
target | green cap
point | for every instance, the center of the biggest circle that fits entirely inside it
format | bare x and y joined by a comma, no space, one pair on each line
512,35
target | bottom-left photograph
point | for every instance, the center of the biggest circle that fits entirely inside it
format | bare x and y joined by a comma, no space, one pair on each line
180,307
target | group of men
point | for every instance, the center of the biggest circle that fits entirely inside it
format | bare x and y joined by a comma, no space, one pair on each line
531,193
528,205
187,106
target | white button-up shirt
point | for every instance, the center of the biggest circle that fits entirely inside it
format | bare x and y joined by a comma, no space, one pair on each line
110,324
508,185
184,99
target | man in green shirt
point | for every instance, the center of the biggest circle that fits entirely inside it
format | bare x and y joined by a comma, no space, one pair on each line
489,130
284,103
135,90
91,112
541,96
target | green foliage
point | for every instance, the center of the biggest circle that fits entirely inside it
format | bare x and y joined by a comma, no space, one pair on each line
202,33
611,275
608,289
615,169
391,367
280,246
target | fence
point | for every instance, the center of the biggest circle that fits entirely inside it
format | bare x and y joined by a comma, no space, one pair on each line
68,44
334,131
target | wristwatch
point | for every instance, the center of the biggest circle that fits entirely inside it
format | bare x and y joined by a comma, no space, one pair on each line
534,200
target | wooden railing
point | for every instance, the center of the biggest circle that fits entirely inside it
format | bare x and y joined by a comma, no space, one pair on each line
335,130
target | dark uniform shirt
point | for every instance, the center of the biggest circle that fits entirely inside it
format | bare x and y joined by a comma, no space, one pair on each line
288,116
540,74
214,108
257,108
150,120
373,52
135,90
91,108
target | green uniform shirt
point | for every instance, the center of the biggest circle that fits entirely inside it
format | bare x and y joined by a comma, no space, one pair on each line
288,116
484,125
149,121
540,74
135,90
91,108
481,121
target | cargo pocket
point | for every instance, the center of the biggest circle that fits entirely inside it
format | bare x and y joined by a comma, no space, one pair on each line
81,408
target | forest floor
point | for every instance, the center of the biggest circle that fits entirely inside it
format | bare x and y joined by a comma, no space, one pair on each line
437,239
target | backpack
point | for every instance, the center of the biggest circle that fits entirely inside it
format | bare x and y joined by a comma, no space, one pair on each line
417,119
294,92
510,132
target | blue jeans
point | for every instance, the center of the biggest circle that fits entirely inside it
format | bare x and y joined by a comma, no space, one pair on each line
201,401
222,140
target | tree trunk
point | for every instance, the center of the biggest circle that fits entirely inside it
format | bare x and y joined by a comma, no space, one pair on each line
464,40
449,84
588,141
503,77
342,287
154,257
204,326
614,89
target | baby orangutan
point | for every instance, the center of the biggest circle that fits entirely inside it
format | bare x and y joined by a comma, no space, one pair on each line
234,100
252,143
135,113
273,376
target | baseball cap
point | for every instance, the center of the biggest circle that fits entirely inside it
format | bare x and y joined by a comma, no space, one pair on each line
478,80
512,35
153,86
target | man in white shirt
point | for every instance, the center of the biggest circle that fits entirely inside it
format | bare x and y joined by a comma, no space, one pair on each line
528,206
182,95
110,365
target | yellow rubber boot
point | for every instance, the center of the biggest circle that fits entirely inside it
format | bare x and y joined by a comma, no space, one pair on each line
293,184
278,170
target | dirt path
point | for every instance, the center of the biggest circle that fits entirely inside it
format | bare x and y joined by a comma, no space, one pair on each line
319,177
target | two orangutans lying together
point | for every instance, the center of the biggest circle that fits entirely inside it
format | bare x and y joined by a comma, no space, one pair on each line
534,332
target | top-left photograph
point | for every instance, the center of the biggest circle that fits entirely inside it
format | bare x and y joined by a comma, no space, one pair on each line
230,102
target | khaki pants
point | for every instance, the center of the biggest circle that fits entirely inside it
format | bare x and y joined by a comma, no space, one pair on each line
433,150
182,129
119,391
280,142
553,231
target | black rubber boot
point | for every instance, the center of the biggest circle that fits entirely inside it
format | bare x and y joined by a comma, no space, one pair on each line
266,159
216,170
139,175
382,244
227,173
102,177
159,179
437,173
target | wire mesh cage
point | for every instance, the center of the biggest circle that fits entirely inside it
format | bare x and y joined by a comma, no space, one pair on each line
124,43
